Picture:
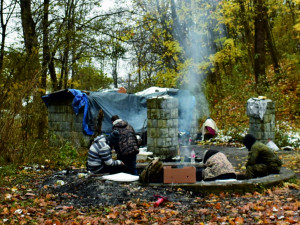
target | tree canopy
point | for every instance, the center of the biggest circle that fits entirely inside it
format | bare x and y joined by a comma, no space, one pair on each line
224,51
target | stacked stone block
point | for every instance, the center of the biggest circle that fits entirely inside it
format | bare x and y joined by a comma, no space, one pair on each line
65,125
194,125
264,129
162,126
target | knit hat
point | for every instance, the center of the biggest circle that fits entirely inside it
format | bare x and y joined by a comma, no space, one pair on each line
114,137
249,140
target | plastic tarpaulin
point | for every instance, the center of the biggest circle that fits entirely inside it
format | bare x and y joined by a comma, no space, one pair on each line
80,100
129,107
257,107
133,108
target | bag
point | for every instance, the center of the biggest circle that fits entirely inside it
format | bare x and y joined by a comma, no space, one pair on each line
272,146
153,172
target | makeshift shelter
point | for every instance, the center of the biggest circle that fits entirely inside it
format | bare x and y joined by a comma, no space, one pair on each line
72,113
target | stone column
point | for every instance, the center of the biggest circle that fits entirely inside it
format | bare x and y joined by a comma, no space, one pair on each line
263,129
194,124
162,126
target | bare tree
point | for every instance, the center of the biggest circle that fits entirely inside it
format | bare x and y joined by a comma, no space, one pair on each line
6,11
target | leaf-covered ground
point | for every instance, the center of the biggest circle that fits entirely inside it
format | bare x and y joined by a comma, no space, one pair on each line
31,197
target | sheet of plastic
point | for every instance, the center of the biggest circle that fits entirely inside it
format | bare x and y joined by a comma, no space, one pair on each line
133,108
129,107
257,107
121,177
81,100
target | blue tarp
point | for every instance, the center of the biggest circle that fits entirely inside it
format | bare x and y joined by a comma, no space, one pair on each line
80,100
129,107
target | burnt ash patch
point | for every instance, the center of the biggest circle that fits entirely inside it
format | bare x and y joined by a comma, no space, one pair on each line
94,191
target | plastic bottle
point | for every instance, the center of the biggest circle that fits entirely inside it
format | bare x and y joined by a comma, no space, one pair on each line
190,140
193,156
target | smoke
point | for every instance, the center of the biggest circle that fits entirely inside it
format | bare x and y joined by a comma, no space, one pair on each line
186,106
198,47
195,30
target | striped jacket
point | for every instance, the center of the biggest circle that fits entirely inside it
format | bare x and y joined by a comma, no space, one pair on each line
99,155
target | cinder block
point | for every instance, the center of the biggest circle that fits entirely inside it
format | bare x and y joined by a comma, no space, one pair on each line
172,132
165,114
151,103
163,132
170,123
154,114
161,142
162,124
179,175
153,132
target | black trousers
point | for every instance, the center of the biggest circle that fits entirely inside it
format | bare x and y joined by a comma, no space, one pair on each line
226,176
109,169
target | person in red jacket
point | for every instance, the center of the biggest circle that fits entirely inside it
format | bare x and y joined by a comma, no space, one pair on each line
127,147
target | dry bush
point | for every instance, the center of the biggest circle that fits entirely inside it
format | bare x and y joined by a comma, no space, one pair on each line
20,108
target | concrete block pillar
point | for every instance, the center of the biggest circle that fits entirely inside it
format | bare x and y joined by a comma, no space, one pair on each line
261,125
194,124
162,126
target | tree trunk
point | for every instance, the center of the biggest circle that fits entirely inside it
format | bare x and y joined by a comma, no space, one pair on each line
114,72
247,36
177,28
46,51
65,67
29,31
69,13
32,50
259,50
4,23
139,68
47,56
73,68
3,36
272,48
53,73
167,35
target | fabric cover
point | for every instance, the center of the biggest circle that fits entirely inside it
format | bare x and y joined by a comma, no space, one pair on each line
209,126
217,165
257,107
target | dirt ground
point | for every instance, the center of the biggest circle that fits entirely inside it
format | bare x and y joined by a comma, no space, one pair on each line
73,188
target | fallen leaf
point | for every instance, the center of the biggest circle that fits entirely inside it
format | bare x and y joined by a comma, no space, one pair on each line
5,211
239,220
218,205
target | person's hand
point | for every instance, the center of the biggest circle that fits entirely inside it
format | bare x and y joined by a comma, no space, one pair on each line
122,164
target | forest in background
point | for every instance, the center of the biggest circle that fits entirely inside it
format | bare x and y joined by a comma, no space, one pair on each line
223,51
